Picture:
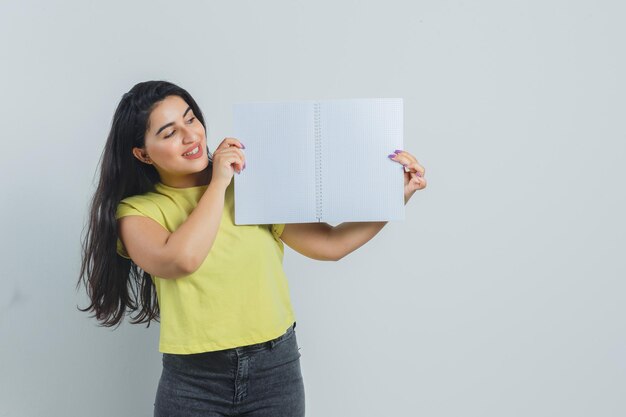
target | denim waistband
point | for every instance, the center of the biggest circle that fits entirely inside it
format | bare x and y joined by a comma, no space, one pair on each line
269,344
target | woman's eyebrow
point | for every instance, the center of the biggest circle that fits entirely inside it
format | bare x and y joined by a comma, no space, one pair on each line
171,123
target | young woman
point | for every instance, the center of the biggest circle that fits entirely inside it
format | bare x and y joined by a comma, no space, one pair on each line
161,242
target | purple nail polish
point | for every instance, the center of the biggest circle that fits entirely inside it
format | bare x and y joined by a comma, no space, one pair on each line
243,147
397,151
393,155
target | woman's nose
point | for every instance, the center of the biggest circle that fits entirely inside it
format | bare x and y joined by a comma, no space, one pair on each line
189,136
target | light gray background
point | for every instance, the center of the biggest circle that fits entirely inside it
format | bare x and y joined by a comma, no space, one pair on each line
503,292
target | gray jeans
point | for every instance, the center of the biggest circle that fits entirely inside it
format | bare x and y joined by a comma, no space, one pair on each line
256,381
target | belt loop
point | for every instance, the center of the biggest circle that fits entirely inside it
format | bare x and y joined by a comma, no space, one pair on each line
272,343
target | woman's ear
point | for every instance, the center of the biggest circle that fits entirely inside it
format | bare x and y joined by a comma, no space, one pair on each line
142,155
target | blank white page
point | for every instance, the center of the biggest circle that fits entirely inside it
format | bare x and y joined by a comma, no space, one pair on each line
278,184
359,181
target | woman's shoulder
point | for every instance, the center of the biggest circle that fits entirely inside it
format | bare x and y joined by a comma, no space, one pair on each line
149,204
152,196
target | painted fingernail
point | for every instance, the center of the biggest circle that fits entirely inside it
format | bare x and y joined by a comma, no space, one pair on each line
244,166
419,174
393,155
398,151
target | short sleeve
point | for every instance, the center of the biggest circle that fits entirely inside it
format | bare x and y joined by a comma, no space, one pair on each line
121,250
134,208
277,230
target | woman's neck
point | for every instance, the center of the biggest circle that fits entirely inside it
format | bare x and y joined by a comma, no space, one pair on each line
192,180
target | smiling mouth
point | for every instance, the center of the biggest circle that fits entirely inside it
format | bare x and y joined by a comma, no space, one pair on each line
195,151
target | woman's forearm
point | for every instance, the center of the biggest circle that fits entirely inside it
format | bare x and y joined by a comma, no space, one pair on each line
349,236
194,238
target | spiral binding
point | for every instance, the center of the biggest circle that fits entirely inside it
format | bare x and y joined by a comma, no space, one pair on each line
318,160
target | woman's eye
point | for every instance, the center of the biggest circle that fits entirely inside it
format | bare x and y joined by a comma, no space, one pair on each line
190,121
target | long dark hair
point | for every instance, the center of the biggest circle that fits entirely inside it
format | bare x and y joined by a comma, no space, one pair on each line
114,283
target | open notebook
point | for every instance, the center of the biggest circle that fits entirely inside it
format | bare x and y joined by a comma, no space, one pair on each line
319,161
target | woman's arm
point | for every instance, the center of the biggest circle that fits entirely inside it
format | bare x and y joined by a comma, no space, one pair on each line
324,242
195,236
347,237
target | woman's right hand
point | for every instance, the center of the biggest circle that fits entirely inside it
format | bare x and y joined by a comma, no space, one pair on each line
227,158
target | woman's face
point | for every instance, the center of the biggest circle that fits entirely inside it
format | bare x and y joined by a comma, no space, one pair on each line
174,131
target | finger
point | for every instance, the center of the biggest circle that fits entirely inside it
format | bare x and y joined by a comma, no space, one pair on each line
235,162
238,162
412,185
409,166
232,150
405,154
412,166
397,158
415,167
231,155
408,159
401,158
230,142
420,182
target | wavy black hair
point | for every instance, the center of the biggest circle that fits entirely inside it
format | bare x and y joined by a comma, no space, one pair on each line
113,283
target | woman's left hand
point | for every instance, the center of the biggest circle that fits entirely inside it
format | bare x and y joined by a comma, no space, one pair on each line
413,173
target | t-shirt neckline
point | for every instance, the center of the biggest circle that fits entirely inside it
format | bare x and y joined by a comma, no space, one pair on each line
168,187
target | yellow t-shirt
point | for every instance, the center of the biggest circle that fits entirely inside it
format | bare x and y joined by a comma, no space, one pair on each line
239,296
